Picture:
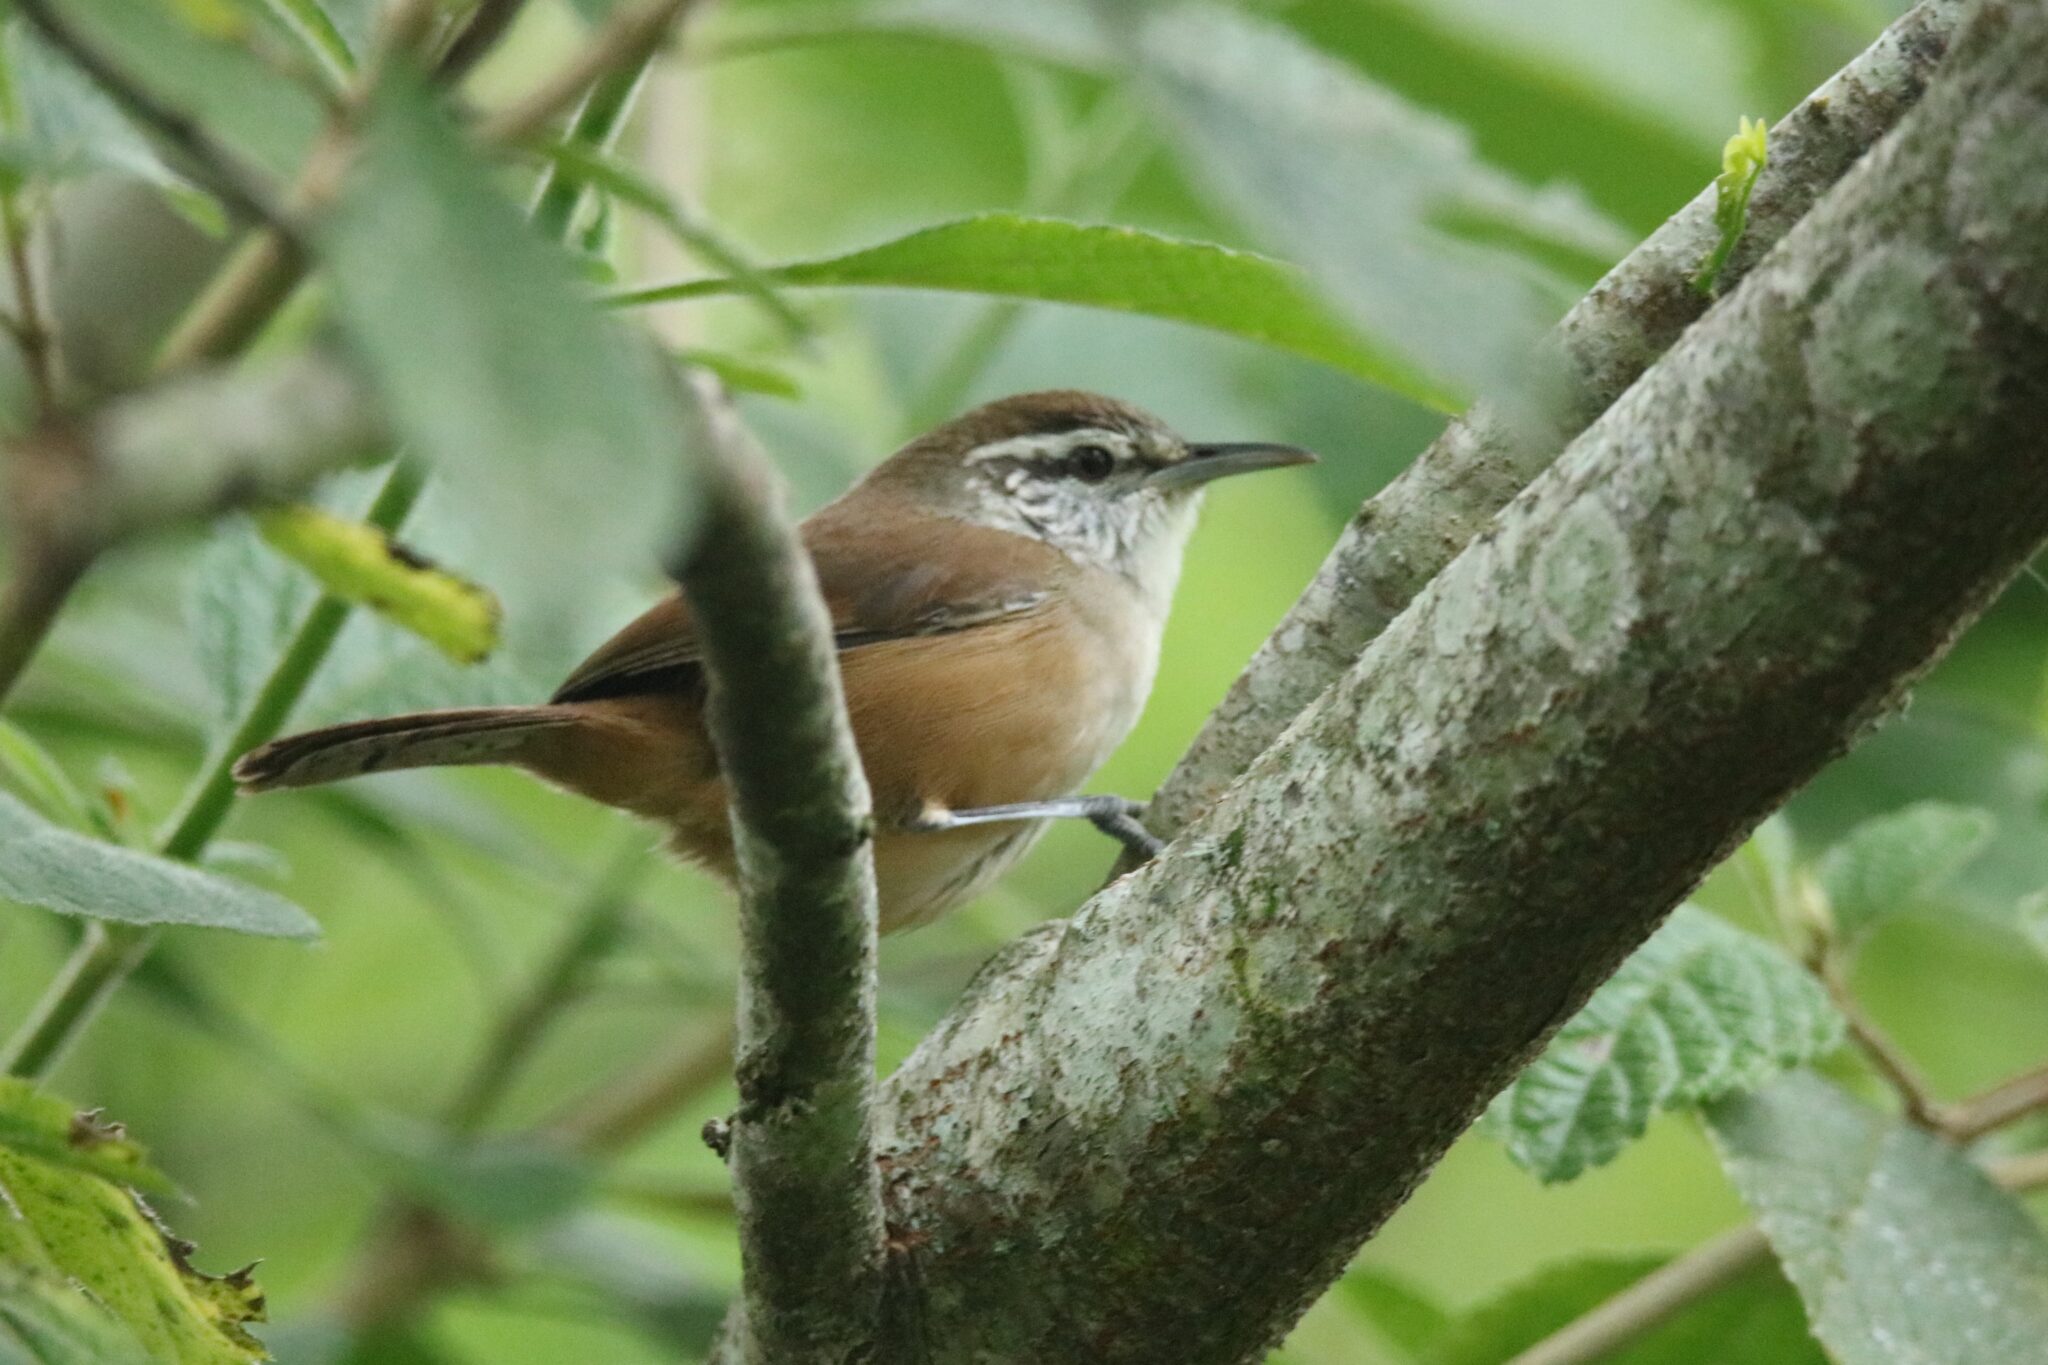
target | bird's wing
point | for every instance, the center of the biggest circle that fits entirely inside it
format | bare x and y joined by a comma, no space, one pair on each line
955,577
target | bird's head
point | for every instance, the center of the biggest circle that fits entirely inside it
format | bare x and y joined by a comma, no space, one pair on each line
1107,484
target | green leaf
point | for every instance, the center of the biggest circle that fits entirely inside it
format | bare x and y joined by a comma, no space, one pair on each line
1445,264
557,432
213,76
743,374
37,775
242,606
1743,158
1902,1249
506,1182
1118,268
581,163
43,1126
1386,206
315,31
72,874
63,1219
2032,917
1531,1310
1886,865
1409,1320
1755,1319
44,1320
68,128
362,564
1701,1010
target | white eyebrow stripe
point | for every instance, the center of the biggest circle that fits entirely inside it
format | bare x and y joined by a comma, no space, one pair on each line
1042,444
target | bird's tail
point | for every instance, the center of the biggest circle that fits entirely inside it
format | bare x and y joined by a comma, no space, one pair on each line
423,739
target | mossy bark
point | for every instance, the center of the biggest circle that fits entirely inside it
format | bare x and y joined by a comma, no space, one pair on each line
1156,1132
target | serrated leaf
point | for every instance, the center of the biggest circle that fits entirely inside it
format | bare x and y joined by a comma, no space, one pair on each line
42,1126
1755,1319
56,1218
1902,1249
58,869
362,564
1409,1320
1118,268
1886,865
1701,1010
556,430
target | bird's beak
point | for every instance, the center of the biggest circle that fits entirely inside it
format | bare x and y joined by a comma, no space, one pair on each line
1222,459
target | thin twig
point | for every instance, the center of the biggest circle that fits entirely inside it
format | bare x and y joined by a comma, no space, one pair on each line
806,1185
555,987
31,330
488,23
1652,1300
213,164
2005,1104
1671,1288
1922,1107
627,39
621,1113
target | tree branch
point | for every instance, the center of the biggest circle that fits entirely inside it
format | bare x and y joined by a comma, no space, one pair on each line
1407,533
216,167
807,1193
1158,1133
627,39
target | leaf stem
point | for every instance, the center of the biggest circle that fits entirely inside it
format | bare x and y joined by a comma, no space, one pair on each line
2004,1104
556,986
220,169
625,42
31,331
104,957
1922,1108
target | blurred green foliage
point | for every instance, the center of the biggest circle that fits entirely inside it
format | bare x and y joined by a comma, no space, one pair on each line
291,1091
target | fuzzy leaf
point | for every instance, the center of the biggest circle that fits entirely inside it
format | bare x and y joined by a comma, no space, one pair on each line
555,429
362,564
58,1218
1903,1250
1118,268
73,874
1701,1010
1887,864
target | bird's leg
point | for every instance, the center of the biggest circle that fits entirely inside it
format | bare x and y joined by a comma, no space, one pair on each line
1113,815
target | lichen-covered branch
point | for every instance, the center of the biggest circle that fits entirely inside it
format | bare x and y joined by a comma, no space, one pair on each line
1158,1132
807,1195
1402,537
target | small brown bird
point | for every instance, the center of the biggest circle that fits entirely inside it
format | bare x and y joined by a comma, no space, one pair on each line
998,588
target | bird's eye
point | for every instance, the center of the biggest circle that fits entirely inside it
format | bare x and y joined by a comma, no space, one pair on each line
1091,462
